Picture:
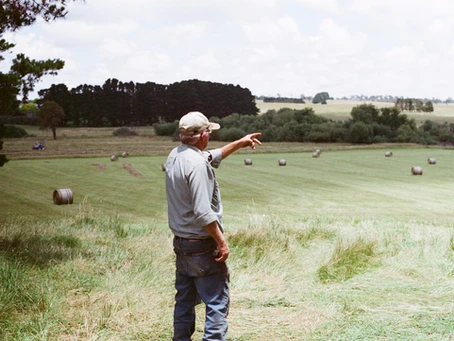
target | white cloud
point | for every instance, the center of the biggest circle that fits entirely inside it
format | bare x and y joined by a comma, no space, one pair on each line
401,55
195,31
112,48
287,46
325,5
337,39
36,47
207,61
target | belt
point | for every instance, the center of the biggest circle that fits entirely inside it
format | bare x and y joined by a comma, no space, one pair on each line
190,239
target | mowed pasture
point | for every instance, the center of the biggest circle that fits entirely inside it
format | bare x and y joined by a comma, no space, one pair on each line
351,183
347,246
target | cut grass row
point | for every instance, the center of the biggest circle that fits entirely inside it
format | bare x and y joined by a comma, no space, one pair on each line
350,183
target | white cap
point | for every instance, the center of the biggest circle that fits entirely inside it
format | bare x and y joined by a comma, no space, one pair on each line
194,122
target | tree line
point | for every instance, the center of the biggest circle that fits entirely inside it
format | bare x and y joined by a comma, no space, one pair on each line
414,104
408,104
118,103
367,125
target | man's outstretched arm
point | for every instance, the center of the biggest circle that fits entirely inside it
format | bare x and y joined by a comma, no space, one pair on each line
249,140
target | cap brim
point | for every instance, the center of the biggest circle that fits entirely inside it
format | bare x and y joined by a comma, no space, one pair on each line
214,126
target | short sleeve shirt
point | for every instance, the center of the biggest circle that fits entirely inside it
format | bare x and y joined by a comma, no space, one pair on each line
193,194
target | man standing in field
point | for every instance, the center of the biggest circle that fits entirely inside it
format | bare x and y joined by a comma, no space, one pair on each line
195,218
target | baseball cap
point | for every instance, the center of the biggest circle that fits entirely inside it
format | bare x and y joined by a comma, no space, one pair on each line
194,122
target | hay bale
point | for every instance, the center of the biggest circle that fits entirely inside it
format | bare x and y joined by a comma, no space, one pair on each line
125,154
248,162
163,167
389,154
315,154
431,161
416,170
282,162
113,158
63,196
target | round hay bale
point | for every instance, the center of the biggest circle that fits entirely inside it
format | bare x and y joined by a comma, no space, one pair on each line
113,158
63,196
431,161
125,154
282,162
416,170
248,162
315,154
389,154
163,167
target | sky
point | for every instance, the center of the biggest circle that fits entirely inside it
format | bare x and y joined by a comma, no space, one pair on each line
286,48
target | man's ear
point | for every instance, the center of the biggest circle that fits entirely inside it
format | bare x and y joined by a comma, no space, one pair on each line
203,134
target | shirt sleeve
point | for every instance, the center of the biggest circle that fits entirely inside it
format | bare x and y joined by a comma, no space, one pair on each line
214,157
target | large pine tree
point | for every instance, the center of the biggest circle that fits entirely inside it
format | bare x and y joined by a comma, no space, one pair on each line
24,72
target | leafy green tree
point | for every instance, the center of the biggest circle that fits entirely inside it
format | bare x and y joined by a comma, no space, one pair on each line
25,72
50,116
321,97
29,108
406,133
428,107
392,117
59,93
323,132
367,113
411,104
361,133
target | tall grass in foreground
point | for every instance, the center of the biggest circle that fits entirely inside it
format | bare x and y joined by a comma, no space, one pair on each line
96,277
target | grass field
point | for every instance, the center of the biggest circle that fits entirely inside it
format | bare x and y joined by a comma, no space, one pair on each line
341,109
348,246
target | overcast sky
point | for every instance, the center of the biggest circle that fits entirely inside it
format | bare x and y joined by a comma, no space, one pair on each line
286,47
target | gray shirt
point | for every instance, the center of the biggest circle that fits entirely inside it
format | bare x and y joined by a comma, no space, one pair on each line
193,195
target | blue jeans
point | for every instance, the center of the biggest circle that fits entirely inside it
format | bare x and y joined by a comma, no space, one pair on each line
200,277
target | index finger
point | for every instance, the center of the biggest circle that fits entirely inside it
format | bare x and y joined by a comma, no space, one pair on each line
253,137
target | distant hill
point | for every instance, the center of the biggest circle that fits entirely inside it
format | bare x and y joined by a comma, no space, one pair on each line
341,109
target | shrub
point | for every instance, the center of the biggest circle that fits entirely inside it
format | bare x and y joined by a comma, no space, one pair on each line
380,139
166,129
21,120
14,132
423,138
294,132
405,133
361,133
367,113
270,134
321,132
124,131
383,131
231,134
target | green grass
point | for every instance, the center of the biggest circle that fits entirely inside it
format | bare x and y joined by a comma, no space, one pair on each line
350,183
348,246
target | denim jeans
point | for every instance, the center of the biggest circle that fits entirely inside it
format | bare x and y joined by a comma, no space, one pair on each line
200,277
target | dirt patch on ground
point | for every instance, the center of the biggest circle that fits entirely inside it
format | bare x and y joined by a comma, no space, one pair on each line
131,169
99,165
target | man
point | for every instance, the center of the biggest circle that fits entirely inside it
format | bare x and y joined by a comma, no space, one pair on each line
195,218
